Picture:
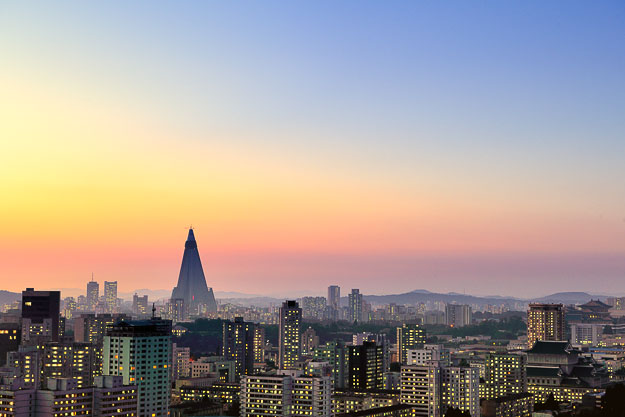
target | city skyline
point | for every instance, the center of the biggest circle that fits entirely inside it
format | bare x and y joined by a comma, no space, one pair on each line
449,147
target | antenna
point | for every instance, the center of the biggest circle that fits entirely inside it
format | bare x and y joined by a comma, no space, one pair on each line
92,277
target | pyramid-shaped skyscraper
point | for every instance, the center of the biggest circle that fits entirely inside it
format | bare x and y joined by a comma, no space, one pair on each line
192,286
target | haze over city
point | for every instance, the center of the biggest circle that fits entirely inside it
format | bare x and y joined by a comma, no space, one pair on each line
451,147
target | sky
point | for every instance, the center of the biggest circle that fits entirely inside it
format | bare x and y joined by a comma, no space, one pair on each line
387,146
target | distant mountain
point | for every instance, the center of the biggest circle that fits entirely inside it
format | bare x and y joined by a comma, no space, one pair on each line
421,296
7,297
567,298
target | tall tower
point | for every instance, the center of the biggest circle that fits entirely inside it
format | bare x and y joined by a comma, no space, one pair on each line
545,322
289,349
191,282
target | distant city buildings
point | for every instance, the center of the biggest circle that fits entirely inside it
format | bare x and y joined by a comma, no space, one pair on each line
355,306
334,302
458,315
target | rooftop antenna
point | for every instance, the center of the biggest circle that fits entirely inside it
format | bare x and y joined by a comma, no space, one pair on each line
92,277
153,310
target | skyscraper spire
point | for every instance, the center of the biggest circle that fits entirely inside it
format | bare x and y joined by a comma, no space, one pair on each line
192,286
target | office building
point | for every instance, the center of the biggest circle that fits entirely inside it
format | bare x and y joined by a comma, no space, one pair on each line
286,396
110,296
140,306
505,374
355,305
420,388
289,336
409,336
93,294
586,334
238,345
365,369
140,352
336,355
334,302
458,315
545,322
40,316
460,388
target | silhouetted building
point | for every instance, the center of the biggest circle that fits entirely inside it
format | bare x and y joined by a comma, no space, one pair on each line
40,316
192,286
238,345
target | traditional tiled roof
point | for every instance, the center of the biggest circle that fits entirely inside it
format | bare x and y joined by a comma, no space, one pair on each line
546,347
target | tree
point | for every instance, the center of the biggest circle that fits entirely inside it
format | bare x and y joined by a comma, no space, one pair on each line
614,401
456,412
551,404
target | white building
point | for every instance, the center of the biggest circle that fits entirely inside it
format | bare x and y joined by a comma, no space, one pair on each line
286,396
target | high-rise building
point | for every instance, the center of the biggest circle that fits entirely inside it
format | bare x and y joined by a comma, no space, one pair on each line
238,345
409,336
355,305
259,344
40,316
460,388
365,367
334,302
110,296
421,389
545,322
458,315
140,306
140,351
180,361
310,341
504,374
336,354
191,285
93,294
289,337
